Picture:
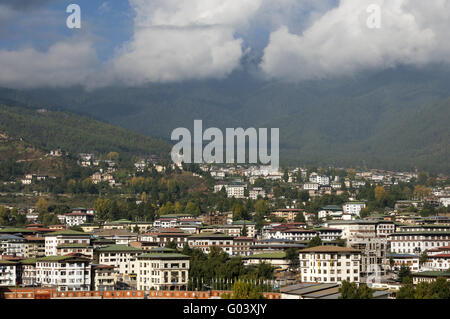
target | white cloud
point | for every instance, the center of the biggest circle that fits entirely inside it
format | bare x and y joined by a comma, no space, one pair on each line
340,43
177,40
64,64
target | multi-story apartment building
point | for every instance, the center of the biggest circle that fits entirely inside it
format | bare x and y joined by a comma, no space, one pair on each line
78,218
399,260
236,190
12,245
242,245
122,257
166,235
68,249
362,235
292,234
328,234
215,218
288,214
205,241
255,192
319,179
119,236
55,239
385,228
34,247
353,208
328,264
66,273
103,277
162,269
415,242
8,273
28,272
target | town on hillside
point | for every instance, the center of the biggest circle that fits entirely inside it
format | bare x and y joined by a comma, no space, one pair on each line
147,228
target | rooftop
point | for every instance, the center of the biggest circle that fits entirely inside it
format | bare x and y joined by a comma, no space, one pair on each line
329,249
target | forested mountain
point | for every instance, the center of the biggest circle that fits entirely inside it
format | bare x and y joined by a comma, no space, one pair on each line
47,130
395,119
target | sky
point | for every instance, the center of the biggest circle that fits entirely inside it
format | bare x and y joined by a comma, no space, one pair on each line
136,42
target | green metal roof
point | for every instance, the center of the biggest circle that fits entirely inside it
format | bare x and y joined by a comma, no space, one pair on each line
67,233
163,256
118,248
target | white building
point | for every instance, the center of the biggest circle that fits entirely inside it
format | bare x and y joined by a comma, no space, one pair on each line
8,273
13,245
162,269
78,218
353,208
319,179
55,239
329,264
415,242
122,257
205,241
445,201
67,273
257,191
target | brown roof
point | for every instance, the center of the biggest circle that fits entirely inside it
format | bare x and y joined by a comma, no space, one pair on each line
329,249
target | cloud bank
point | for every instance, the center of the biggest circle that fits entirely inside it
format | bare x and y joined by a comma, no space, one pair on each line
412,32
177,40
63,64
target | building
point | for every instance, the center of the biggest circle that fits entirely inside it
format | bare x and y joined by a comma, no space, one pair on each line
122,257
55,239
216,218
292,234
255,192
78,218
330,264
288,214
429,276
415,242
319,179
399,260
276,259
205,241
165,236
103,277
66,273
28,272
70,249
8,273
119,236
12,245
353,208
162,269
335,212
242,245
34,246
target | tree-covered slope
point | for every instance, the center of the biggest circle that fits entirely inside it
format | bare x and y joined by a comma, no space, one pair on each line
74,133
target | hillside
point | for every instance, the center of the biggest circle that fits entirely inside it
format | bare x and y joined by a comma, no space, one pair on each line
395,119
45,130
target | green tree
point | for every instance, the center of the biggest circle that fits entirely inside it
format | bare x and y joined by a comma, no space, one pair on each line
316,241
350,290
404,272
192,208
293,257
245,290
171,244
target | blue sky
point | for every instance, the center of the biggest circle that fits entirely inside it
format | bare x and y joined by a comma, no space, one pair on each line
110,22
